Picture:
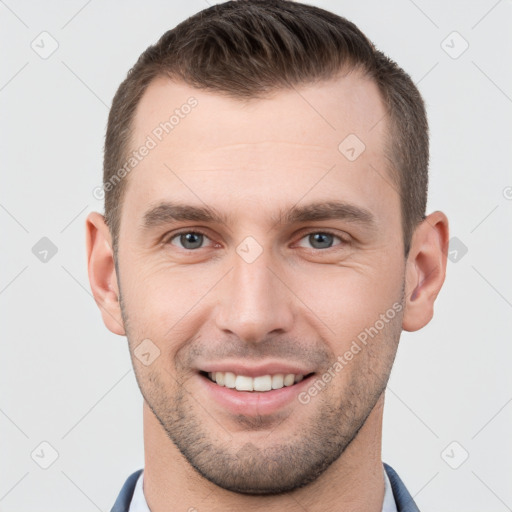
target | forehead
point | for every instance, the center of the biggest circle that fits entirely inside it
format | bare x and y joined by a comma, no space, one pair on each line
215,145
322,113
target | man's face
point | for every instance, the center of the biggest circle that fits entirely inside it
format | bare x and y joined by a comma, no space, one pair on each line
260,293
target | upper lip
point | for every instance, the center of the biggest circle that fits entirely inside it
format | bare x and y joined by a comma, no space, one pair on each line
255,370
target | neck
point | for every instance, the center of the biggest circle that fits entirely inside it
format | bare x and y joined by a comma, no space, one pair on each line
353,483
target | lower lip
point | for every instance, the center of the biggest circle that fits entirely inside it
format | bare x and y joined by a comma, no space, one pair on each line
253,403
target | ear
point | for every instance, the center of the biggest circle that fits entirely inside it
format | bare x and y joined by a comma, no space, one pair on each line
102,272
425,270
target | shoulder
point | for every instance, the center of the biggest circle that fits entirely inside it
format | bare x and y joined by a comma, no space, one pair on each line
404,501
122,503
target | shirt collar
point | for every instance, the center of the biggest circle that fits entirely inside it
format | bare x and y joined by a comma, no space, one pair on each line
139,503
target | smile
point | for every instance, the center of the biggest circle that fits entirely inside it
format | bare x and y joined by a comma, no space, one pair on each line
259,383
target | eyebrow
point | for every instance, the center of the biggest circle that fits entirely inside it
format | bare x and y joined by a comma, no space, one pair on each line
168,212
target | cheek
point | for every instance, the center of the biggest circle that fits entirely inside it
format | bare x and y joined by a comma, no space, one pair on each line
163,301
352,298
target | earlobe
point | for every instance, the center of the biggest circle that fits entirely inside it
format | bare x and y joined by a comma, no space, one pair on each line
102,273
425,270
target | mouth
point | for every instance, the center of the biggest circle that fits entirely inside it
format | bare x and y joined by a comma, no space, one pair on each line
258,384
253,390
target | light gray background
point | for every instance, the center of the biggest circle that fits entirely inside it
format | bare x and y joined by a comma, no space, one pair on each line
68,381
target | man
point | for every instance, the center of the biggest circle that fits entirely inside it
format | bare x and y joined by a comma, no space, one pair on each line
264,244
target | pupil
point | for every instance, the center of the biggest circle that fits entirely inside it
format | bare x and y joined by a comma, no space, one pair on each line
191,240
323,239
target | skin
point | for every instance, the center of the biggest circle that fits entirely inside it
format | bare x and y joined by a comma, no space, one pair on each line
296,302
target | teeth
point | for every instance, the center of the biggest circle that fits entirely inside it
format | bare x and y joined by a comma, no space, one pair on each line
229,379
242,383
263,383
289,379
277,381
260,383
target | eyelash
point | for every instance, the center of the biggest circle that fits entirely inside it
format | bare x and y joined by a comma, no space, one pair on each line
200,232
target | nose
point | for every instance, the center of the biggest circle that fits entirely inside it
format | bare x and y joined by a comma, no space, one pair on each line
255,302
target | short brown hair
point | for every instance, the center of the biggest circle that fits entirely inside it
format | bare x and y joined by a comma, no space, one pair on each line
248,48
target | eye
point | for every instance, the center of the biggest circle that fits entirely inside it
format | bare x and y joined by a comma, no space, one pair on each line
192,240
321,239
188,240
